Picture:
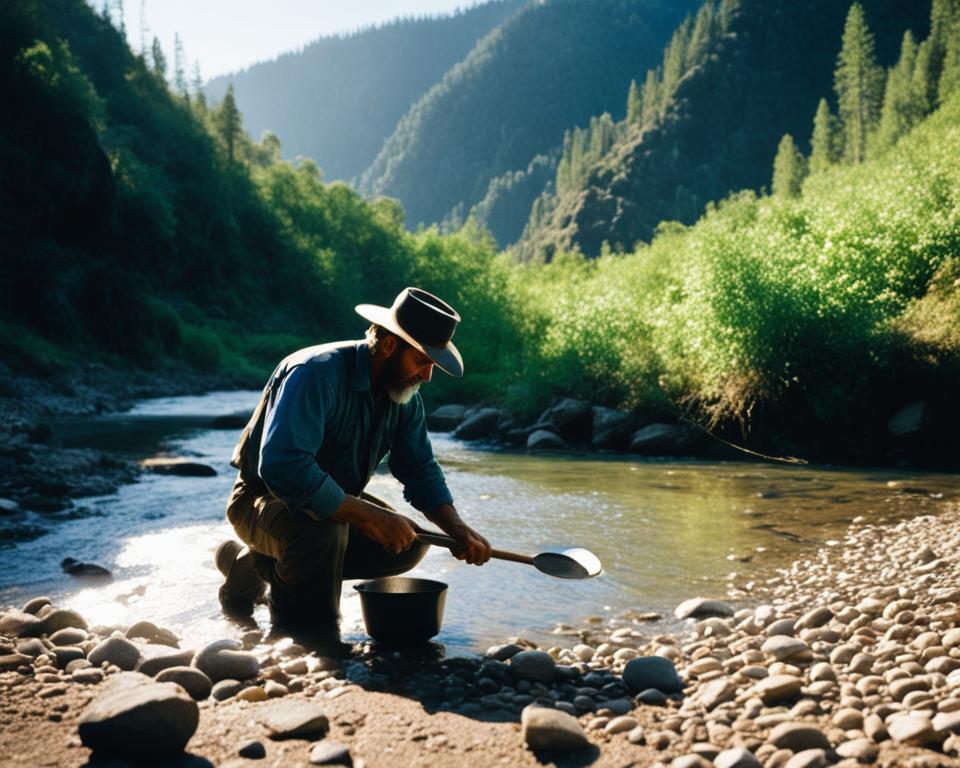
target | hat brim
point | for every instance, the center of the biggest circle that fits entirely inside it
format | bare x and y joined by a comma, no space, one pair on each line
447,358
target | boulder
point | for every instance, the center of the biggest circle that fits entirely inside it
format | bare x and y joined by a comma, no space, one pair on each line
78,568
446,418
652,672
908,420
139,721
660,439
544,728
179,467
611,428
479,424
544,440
571,419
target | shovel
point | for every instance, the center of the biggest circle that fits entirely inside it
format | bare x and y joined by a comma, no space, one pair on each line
573,563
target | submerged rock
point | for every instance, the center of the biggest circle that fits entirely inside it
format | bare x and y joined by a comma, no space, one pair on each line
180,467
544,440
78,568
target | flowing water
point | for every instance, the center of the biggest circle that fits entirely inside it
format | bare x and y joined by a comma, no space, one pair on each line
665,531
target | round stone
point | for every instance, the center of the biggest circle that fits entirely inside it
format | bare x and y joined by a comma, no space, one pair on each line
222,660
226,689
798,736
192,680
533,665
117,651
652,672
549,729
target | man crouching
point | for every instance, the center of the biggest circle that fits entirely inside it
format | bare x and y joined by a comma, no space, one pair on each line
328,416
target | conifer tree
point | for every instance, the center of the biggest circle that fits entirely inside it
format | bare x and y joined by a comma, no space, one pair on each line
924,83
159,59
950,73
789,169
824,141
634,103
229,122
704,31
902,107
858,81
944,16
650,98
179,67
198,94
564,178
729,9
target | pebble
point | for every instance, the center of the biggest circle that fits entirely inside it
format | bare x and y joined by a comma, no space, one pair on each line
117,651
782,647
330,753
620,724
33,606
226,689
503,652
777,689
701,608
808,758
140,721
253,750
798,736
690,761
738,757
156,658
533,665
293,719
652,697
192,680
549,729
88,676
253,693
652,672
69,636
222,660
910,730
863,750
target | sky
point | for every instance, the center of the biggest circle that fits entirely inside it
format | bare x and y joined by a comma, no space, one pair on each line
227,35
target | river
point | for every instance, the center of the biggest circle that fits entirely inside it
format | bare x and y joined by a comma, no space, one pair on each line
664,530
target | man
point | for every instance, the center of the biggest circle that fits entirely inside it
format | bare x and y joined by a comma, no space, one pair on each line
328,416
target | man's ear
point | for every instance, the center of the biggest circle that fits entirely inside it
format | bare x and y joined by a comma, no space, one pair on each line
388,344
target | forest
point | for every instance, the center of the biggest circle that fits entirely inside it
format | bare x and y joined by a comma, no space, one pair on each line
144,227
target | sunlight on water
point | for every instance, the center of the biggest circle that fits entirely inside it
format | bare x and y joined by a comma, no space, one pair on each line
664,531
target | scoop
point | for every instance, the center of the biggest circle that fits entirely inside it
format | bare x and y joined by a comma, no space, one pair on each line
575,563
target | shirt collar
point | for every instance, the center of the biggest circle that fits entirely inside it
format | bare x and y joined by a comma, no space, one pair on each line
361,368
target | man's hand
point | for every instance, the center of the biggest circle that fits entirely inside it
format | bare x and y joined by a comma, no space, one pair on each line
472,547
393,531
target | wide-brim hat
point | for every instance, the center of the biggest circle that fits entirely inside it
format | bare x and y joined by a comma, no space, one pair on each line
423,321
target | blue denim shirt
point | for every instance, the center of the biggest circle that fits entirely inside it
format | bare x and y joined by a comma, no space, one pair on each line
324,435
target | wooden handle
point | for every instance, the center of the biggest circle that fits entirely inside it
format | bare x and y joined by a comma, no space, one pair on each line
439,540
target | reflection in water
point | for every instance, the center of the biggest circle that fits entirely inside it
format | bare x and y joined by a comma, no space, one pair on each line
664,531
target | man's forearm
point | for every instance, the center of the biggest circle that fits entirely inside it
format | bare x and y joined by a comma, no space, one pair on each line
447,518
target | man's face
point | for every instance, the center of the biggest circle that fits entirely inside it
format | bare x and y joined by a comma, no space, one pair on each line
406,370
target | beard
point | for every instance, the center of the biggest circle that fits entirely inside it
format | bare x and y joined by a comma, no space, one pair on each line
400,391
403,392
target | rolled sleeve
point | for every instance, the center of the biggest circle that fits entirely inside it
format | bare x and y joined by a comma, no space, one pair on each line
413,464
292,435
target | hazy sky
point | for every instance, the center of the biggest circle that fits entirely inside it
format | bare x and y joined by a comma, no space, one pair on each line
226,35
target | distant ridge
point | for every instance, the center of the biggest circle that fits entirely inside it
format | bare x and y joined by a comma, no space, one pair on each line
340,97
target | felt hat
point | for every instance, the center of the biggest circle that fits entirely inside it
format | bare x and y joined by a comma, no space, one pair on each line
423,321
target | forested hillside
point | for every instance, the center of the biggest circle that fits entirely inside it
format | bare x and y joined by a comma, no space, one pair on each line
707,121
550,66
338,99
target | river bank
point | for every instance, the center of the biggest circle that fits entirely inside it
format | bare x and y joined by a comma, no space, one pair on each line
851,656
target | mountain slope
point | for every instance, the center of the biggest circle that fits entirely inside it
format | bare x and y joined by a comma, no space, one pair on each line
761,79
552,65
339,98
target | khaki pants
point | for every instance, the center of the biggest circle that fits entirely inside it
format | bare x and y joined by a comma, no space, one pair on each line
310,558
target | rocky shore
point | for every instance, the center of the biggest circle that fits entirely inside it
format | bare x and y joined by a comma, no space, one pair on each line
850,657
39,477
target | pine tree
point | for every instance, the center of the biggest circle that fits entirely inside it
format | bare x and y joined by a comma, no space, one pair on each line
159,59
924,84
704,32
229,122
179,67
729,10
564,177
823,144
198,94
789,169
950,73
650,97
634,103
675,60
902,107
858,81
944,16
